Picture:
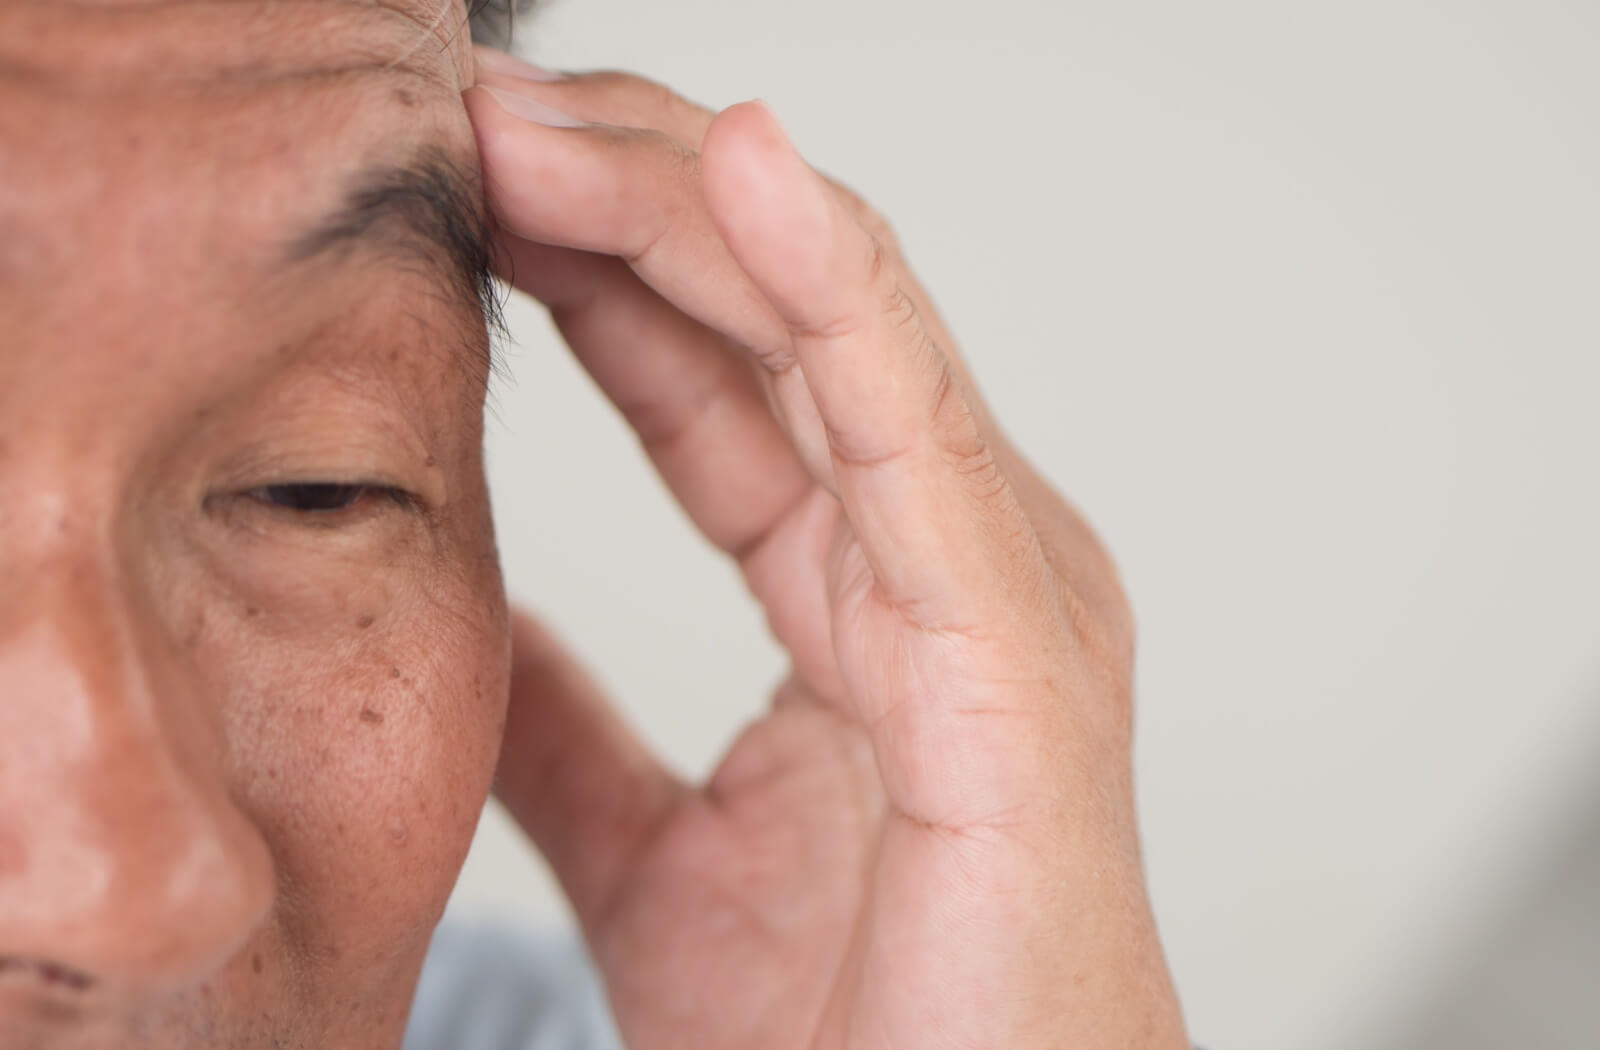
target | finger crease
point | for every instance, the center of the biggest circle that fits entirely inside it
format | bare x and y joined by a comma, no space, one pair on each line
660,424
744,550
857,459
637,256
833,331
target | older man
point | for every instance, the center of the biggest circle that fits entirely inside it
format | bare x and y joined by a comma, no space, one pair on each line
255,658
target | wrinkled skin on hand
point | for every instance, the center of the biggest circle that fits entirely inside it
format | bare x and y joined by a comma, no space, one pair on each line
929,841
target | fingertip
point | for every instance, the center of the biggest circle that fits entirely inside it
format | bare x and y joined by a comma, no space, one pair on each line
501,116
747,153
512,154
755,122
490,125
481,107
772,209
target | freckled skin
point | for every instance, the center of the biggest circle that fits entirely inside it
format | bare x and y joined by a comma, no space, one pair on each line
240,726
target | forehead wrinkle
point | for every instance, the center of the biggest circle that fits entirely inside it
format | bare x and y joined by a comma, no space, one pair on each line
182,42
439,29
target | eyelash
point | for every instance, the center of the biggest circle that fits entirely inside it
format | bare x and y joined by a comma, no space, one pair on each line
327,502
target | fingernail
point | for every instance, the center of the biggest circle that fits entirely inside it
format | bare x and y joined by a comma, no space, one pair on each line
529,110
506,65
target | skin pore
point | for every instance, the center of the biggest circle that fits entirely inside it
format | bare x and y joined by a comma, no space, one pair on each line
253,652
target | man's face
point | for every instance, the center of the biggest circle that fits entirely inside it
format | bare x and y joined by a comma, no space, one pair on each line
252,636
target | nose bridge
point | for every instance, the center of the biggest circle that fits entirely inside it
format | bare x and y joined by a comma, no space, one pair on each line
122,855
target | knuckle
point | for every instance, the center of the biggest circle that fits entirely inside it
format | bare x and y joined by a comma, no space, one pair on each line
881,231
684,161
849,449
954,425
905,319
610,90
656,97
880,266
772,359
886,303
656,92
619,86
949,408
868,217
646,243
970,457
989,492
682,166
843,326
1102,638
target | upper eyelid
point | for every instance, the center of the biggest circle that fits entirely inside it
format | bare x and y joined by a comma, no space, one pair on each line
377,488
247,504
346,495
337,410
306,436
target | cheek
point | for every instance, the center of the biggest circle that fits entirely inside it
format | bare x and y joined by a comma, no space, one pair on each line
363,740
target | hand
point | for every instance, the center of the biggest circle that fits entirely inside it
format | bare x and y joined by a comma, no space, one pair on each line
928,843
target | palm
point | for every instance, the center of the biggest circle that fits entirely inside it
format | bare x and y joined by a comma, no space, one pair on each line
732,930
757,882
748,913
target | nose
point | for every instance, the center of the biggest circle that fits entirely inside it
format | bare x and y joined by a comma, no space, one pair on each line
123,859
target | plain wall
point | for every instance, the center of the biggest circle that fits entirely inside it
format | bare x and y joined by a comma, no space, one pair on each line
1301,303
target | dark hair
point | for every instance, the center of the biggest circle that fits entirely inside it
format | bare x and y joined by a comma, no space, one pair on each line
494,20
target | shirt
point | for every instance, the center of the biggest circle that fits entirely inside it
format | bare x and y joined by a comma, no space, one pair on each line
486,987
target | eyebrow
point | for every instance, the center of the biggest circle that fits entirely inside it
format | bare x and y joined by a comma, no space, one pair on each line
427,208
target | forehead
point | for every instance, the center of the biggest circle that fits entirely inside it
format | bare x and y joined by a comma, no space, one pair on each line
198,133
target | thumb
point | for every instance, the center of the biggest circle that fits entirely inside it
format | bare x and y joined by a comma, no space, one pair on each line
574,776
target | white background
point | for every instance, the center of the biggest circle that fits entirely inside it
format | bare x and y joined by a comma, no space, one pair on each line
1301,303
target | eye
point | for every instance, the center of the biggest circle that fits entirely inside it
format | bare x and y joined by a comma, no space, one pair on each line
322,497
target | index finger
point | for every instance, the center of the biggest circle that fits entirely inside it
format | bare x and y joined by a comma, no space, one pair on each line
629,192
627,100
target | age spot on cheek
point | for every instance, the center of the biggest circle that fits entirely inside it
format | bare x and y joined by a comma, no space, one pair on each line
371,716
255,962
